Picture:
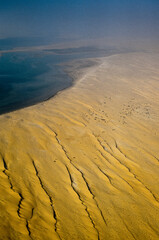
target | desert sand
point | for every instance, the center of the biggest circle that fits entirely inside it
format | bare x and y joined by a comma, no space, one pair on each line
85,164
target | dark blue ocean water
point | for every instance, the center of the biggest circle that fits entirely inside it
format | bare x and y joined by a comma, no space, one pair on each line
28,78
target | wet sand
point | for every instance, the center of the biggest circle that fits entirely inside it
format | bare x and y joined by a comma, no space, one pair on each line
85,164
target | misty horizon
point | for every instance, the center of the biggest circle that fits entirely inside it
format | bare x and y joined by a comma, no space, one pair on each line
55,21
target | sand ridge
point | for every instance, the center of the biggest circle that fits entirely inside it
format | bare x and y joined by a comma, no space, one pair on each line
85,164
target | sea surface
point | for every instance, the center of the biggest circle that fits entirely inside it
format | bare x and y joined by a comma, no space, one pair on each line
27,78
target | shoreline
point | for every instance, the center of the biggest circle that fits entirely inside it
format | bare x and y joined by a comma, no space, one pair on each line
69,69
90,54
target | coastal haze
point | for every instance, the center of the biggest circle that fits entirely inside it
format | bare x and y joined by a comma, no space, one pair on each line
79,120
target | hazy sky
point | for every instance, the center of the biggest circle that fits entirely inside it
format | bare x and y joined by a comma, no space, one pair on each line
79,18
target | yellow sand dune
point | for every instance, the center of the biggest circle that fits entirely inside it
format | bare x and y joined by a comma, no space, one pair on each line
85,164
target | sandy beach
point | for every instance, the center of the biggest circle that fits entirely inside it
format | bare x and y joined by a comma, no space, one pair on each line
84,165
